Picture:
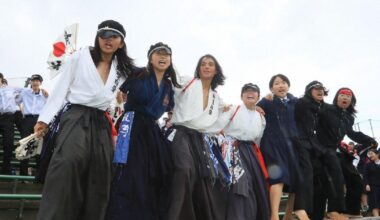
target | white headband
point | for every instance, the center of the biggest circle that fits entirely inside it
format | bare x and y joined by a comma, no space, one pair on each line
106,28
315,85
160,48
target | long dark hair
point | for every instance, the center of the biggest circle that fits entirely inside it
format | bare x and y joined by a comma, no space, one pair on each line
309,87
351,109
170,73
218,78
125,64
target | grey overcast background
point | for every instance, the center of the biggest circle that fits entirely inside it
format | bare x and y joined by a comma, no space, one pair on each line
336,42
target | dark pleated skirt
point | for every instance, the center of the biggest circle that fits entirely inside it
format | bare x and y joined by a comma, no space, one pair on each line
374,197
79,175
249,198
193,195
139,189
282,162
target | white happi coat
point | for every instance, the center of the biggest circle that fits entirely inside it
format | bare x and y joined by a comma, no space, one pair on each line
80,83
188,109
246,125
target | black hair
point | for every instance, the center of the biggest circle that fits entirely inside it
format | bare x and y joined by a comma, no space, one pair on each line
251,86
1,76
157,46
374,150
309,87
351,109
281,76
125,64
218,79
170,72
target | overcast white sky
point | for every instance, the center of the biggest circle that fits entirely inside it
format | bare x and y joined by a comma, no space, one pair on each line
336,42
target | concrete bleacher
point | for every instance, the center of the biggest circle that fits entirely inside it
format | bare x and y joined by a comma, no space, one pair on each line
19,195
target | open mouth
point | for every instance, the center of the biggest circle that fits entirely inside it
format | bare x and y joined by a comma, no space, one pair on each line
161,62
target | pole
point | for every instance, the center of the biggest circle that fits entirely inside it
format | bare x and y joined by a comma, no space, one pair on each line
370,124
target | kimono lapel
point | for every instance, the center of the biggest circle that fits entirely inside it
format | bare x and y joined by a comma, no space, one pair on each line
159,90
96,75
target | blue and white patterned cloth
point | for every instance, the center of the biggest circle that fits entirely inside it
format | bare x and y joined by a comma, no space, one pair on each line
231,156
123,139
219,169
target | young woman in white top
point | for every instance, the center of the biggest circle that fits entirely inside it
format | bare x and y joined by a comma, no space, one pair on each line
197,105
248,196
78,179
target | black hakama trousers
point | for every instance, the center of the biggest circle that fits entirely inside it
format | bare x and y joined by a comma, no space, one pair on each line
354,187
79,175
139,188
328,185
304,195
193,195
249,197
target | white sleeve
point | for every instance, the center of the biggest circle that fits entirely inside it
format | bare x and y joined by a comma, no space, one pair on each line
183,81
263,125
222,104
19,93
57,98
222,121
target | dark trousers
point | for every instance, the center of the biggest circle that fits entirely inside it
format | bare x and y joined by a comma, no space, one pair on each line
7,130
27,128
328,184
304,195
354,188
78,180
141,183
192,194
249,197
18,120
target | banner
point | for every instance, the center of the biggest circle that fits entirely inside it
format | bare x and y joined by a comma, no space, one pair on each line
123,138
63,47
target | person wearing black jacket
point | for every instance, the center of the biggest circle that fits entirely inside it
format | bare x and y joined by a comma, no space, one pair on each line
335,122
352,178
372,181
307,115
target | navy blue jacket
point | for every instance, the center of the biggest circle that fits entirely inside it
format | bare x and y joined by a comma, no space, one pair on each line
145,96
280,117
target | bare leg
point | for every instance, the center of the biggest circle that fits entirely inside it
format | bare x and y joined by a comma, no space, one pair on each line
364,199
275,193
335,216
301,214
289,207
375,212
